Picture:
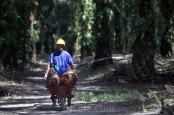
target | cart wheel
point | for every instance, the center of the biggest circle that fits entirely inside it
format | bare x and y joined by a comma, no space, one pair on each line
62,107
62,103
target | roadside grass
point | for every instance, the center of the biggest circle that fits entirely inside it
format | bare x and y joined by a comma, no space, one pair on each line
128,95
105,96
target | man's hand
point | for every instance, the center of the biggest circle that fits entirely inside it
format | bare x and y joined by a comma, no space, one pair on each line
45,77
51,71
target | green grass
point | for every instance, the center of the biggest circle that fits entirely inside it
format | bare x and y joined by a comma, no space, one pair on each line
109,97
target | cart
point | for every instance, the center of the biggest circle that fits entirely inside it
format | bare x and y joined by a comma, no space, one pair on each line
62,88
62,95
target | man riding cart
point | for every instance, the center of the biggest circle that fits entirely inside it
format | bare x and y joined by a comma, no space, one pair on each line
59,80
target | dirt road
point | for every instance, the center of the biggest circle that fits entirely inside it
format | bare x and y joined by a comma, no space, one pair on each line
34,99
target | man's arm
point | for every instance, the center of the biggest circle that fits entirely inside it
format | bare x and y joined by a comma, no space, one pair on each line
47,71
70,61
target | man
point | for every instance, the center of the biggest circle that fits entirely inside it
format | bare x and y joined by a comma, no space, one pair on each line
59,61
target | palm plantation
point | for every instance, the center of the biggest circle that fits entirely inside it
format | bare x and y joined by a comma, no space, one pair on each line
94,30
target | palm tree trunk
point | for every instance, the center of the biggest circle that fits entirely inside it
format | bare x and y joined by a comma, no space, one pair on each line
144,46
167,9
104,32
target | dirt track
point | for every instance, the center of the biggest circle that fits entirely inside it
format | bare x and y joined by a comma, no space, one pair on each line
35,100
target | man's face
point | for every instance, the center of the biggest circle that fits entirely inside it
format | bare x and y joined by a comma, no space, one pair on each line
60,47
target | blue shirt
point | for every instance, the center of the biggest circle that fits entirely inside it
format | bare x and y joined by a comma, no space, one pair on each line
61,60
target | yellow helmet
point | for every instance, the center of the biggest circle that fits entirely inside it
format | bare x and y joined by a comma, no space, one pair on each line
61,42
